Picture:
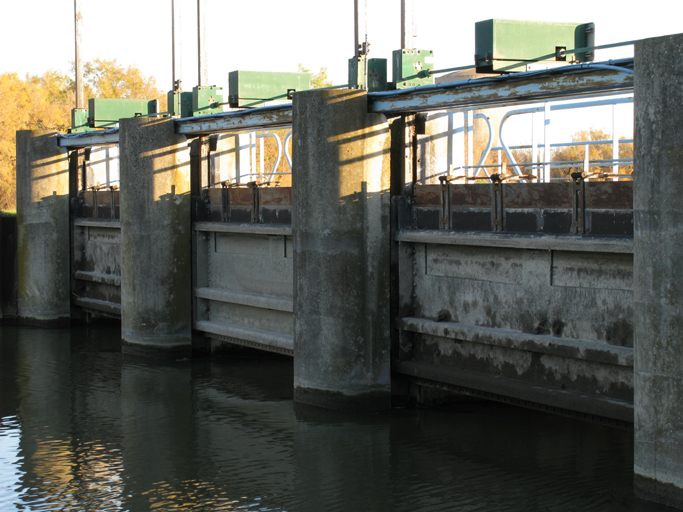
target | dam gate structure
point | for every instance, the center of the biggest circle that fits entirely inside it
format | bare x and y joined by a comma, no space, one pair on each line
379,277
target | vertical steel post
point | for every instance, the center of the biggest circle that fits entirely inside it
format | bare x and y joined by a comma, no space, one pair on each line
201,40
358,28
469,130
252,146
534,157
408,32
176,42
78,22
615,144
546,142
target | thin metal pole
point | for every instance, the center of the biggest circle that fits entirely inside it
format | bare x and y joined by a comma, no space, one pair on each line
408,24
358,28
78,21
176,30
201,40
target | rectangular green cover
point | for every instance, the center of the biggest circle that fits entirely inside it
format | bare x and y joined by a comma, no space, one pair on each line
505,46
106,112
411,68
255,88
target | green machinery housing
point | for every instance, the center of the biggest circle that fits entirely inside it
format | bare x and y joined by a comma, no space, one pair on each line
508,46
501,46
410,68
377,73
203,100
106,112
250,89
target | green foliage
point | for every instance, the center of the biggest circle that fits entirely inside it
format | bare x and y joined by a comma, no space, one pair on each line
44,103
319,79
596,152
574,155
109,79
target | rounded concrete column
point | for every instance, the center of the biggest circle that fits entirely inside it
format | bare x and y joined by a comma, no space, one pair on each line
658,260
155,228
341,238
42,230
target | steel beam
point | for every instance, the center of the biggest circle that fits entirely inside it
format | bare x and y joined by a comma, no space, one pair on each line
246,120
578,81
88,139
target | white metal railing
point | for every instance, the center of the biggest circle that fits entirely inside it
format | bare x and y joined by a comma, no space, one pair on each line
537,169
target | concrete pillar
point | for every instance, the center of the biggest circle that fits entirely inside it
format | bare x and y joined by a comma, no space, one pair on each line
341,251
42,229
658,260
156,289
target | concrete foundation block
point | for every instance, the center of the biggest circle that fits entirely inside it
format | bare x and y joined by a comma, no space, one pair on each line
658,281
43,296
156,286
341,226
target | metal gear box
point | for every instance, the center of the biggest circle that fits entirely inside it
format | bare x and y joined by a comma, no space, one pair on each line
206,99
377,73
411,68
180,103
79,120
507,46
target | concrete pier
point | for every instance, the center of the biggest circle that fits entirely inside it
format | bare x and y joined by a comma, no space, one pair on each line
340,225
658,280
156,277
42,229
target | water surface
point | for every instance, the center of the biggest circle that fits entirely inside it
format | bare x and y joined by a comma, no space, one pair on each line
83,427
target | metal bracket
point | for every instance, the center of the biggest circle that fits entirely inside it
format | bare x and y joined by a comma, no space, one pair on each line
112,212
445,202
94,202
578,203
497,191
253,185
225,202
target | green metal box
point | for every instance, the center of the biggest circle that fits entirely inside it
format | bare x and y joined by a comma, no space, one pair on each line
206,99
256,88
180,103
506,46
411,68
106,112
377,73
79,120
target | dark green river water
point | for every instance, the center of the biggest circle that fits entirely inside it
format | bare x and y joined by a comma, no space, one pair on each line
84,428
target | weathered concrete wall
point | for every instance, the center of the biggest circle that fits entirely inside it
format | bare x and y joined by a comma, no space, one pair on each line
341,233
244,285
658,280
96,266
43,229
8,267
502,315
156,234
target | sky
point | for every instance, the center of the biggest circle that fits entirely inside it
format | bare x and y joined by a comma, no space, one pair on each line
277,35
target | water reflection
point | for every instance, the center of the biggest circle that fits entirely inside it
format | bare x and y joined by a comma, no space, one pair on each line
84,428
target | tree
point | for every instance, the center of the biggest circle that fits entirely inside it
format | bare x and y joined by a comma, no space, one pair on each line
109,79
44,103
596,152
319,79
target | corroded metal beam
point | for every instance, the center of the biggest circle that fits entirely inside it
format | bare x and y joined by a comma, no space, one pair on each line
88,139
579,81
245,120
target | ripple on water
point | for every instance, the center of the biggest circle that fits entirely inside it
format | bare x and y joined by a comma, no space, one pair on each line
9,458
